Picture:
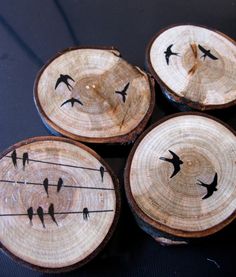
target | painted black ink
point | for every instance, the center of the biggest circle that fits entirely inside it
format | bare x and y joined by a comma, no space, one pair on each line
210,187
14,158
175,161
123,92
45,184
206,53
169,53
102,172
30,213
41,215
25,159
52,213
59,184
85,213
64,79
72,101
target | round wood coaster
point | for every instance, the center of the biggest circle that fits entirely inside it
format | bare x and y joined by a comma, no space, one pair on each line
195,66
93,95
180,178
59,203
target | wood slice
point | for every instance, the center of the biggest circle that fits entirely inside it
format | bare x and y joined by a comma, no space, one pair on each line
180,178
195,66
59,203
93,95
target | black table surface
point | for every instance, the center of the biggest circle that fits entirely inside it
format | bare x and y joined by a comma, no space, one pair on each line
31,32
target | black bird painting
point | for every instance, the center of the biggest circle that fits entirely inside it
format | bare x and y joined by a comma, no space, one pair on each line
206,53
85,213
64,79
169,53
51,213
175,161
59,184
30,213
45,184
41,215
72,101
25,159
14,158
210,187
123,92
102,172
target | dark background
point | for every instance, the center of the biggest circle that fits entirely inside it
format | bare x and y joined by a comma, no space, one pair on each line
31,32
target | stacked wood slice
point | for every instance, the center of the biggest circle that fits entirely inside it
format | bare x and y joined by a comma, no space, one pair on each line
180,178
59,203
195,66
93,95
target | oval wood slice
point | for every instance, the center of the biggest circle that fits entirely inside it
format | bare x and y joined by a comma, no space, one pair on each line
195,66
59,203
180,178
93,95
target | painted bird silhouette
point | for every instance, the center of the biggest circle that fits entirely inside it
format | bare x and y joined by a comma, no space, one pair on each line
206,53
85,213
45,184
123,92
14,158
210,187
64,79
25,159
169,53
30,213
51,213
102,172
175,161
59,184
72,101
41,215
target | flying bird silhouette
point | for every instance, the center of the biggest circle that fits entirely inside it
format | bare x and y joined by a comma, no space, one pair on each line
25,159
175,161
102,172
41,215
51,213
64,79
123,92
72,101
169,53
14,158
210,187
206,53
30,213
45,184
85,213
59,184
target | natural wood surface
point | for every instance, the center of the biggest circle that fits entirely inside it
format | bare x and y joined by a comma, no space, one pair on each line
59,203
193,195
114,99
195,66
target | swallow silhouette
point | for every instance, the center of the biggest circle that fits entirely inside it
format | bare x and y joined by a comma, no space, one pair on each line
85,213
25,159
102,172
210,187
169,53
206,53
51,213
59,184
123,92
45,184
41,215
175,161
72,101
30,213
64,79
14,158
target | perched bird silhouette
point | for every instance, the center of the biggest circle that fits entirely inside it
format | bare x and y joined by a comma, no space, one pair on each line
25,159
72,101
85,213
64,79
51,213
175,161
169,53
206,53
41,215
123,92
210,187
45,184
14,158
102,172
30,213
59,184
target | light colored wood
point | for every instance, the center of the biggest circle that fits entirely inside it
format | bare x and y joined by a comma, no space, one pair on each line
175,205
97,75
190,78
74,239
